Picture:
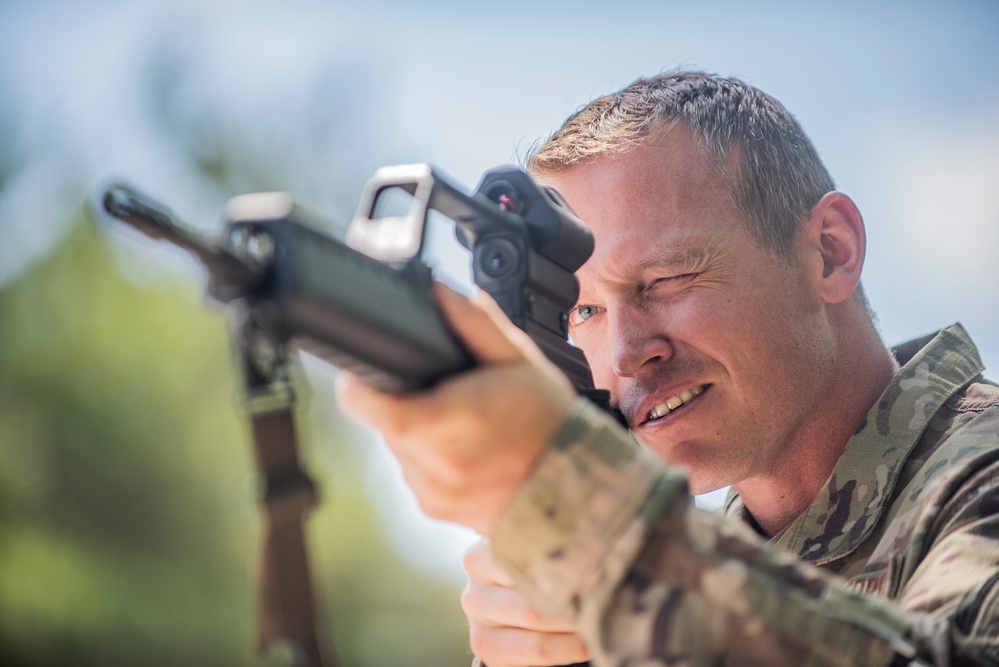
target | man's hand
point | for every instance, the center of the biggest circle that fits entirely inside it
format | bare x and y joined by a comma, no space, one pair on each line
504,629
468,444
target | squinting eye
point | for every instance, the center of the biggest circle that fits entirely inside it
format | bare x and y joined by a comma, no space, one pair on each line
580,314
673,279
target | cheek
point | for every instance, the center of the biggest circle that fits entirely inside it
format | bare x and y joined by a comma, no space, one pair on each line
603,376
597,349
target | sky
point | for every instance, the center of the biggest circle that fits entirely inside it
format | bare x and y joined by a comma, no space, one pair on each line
901,99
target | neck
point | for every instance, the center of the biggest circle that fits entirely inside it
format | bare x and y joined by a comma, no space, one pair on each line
864,369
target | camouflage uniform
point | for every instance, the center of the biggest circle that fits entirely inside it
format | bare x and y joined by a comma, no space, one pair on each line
896,562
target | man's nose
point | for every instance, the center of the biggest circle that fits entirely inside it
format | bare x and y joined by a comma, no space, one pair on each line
639,339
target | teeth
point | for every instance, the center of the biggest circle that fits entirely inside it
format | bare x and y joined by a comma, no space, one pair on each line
673,402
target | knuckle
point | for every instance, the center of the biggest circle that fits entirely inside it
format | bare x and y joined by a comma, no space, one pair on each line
476,558
432,412
432,505
451,474
543,649
472,565
481,642
514,605
532,618
470,602
427,494
392,427
442,506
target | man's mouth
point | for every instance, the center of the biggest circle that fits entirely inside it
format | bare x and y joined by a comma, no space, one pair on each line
674,402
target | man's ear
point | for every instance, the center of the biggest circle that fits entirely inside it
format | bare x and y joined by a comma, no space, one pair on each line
837,243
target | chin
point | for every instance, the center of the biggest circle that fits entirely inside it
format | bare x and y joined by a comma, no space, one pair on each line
704,474
701,476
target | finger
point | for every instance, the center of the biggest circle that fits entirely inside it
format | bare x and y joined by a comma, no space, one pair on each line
500,607
512,647
480,564
364,403
483,328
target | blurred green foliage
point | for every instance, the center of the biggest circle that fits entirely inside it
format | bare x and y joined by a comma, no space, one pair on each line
127,523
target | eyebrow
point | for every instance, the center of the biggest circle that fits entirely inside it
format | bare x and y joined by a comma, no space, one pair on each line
685,257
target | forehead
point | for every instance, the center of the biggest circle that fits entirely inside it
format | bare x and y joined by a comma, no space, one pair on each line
665,198
670,170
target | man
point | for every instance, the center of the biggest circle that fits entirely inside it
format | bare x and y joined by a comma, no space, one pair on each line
722,308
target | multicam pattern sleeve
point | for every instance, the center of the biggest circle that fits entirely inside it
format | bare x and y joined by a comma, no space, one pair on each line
607,535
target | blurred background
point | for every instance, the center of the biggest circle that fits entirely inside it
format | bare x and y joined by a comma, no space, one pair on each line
127,525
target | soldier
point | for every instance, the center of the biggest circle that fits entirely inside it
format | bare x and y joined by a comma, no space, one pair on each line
722,308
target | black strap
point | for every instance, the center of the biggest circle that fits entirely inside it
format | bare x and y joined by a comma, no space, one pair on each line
286,608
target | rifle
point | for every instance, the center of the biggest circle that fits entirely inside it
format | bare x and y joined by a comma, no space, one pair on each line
364,304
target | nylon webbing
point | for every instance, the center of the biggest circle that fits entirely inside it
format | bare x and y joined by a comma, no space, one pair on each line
286,607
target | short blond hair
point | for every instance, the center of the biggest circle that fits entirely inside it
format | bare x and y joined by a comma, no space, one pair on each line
780,176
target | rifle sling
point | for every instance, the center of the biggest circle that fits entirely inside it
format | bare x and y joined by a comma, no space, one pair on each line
286,608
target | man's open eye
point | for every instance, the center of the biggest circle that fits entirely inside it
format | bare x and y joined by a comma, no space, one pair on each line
580,314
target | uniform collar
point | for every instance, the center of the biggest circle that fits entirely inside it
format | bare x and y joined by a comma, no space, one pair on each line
848,507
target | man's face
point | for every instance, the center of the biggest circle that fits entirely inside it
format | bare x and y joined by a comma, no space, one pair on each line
715,349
